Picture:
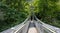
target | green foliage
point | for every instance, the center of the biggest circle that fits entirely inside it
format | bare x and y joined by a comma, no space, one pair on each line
12,13
48,12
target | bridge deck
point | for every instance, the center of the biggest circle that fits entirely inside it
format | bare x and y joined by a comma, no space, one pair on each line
32,30
33,27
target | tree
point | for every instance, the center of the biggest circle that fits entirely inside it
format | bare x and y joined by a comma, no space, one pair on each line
48,11
13,13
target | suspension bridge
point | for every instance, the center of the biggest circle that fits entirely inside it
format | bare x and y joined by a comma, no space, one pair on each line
32,25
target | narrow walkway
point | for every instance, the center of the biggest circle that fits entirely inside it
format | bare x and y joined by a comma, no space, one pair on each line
32,30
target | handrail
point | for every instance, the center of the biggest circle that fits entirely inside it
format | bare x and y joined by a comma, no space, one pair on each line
50,30
23,24
18,29
22,27
45,25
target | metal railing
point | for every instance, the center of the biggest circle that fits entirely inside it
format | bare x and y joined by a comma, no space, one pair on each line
39,25
23,29
23,25
43,29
